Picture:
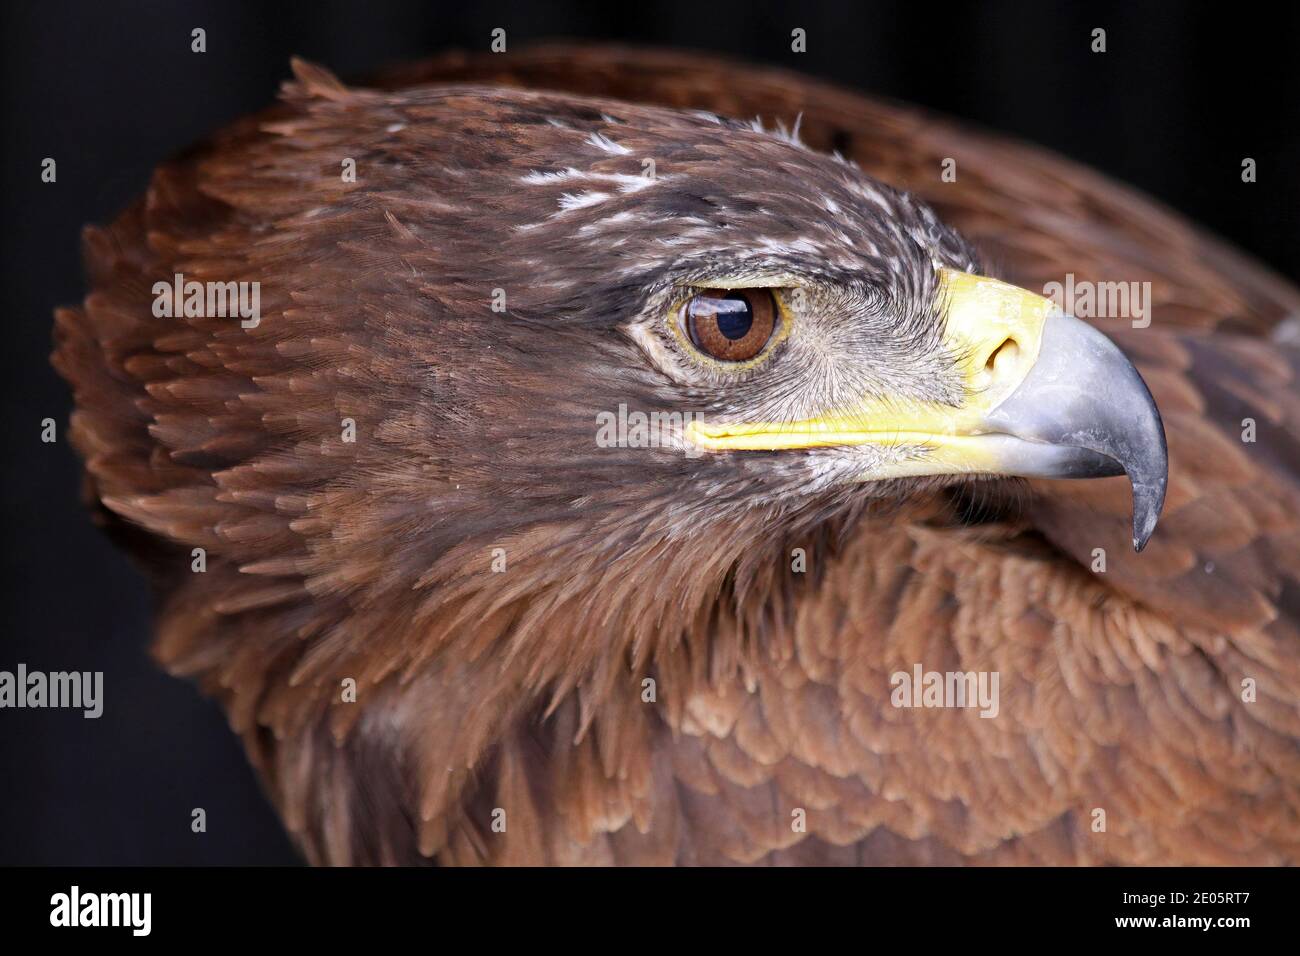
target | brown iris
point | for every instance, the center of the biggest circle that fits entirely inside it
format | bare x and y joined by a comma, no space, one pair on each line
730,325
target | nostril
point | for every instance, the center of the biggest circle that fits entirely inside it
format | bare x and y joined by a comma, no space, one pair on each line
1004,356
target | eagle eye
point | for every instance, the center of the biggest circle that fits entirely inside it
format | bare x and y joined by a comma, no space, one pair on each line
730,325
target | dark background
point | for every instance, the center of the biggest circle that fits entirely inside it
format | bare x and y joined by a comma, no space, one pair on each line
110,89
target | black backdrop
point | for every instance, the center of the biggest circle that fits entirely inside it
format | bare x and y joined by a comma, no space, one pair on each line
109,89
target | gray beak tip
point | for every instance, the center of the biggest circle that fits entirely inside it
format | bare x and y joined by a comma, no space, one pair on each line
1085,402
1148,501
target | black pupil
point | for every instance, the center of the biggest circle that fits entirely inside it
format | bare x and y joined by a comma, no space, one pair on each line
734,316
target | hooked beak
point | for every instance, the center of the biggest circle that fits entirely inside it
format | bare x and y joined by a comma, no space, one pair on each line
1048,397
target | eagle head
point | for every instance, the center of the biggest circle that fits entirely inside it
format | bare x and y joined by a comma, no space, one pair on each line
541,386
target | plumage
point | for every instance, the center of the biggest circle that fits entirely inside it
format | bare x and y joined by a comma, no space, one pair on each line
523,691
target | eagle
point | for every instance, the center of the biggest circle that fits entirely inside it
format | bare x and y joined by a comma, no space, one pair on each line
634,456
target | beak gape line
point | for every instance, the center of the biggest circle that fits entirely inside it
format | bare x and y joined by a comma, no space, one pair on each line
1049,397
